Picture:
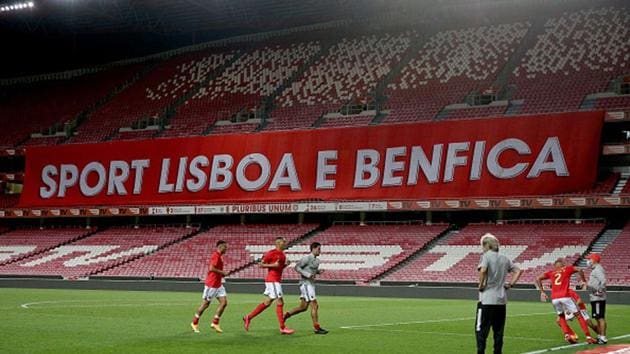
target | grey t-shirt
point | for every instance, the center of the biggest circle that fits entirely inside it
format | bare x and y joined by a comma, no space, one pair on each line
498,267
307,267
597,284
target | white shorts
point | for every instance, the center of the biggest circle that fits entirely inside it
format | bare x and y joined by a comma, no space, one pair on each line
307,292
273,290
211,293
564,304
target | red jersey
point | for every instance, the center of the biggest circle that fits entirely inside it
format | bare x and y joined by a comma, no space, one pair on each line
574,296
213,279
560,281
275,274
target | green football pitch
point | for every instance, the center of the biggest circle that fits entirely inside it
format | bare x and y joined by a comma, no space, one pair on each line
80,321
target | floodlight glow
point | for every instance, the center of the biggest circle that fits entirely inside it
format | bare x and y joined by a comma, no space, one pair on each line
18,6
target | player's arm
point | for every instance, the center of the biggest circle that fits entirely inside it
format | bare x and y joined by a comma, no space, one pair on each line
214,269
483,272
483,277
266,262
539,286
299,267
580,272
516,273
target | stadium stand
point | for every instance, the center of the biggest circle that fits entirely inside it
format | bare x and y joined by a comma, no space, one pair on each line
189,258
533,246
354,253
475,112
22,243
449,66
616,259
98,252
579,53
9,200
149,96
350,70
32,109
242,86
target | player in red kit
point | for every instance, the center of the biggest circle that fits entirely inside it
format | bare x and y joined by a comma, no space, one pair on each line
561,297
213,288
275,261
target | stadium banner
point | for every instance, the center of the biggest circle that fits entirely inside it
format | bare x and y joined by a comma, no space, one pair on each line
532,155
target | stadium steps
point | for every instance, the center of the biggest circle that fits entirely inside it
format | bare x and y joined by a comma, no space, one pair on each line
514,108
297,241
536,27
599,244
131,259
83,116
268,103
43,250
170,110
414,47
621,183
443,114
319,121
440,238
380,116
588,104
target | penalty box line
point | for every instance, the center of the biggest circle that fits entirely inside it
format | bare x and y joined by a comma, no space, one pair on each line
568,346
436,321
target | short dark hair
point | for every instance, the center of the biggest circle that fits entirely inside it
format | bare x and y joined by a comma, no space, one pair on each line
221,242
314,245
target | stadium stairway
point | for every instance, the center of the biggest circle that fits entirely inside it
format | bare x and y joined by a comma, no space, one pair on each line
621,183
171,110
269,101
82,116
445,235
194,232
600,243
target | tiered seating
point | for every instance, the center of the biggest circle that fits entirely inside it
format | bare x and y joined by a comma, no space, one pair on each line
44,141
578,54
97,252
189,258
604,186
22,243
348,120
449,66
533,246
149,96
616,259
351,69
476,112
356,253
613,103
40,106
234,128
243,85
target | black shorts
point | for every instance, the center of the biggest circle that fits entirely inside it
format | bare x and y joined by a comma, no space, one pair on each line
598,309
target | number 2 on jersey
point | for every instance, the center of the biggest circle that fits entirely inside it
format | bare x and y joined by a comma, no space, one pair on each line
557,276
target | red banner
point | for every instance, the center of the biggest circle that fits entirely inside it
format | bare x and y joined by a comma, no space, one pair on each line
534,155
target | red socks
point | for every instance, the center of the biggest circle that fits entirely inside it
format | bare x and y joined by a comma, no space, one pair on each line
260,308
215,320
582,306
563,324
195,320
280,314
583,325
316,326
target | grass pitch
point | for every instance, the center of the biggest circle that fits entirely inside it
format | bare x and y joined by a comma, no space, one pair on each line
80,321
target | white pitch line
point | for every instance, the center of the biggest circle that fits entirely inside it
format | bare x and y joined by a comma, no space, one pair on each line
571,346
437,321
448,334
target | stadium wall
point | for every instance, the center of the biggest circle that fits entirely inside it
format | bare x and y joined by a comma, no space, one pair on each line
291,289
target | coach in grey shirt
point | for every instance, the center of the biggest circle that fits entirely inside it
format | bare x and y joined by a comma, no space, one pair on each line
491,309
597,294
